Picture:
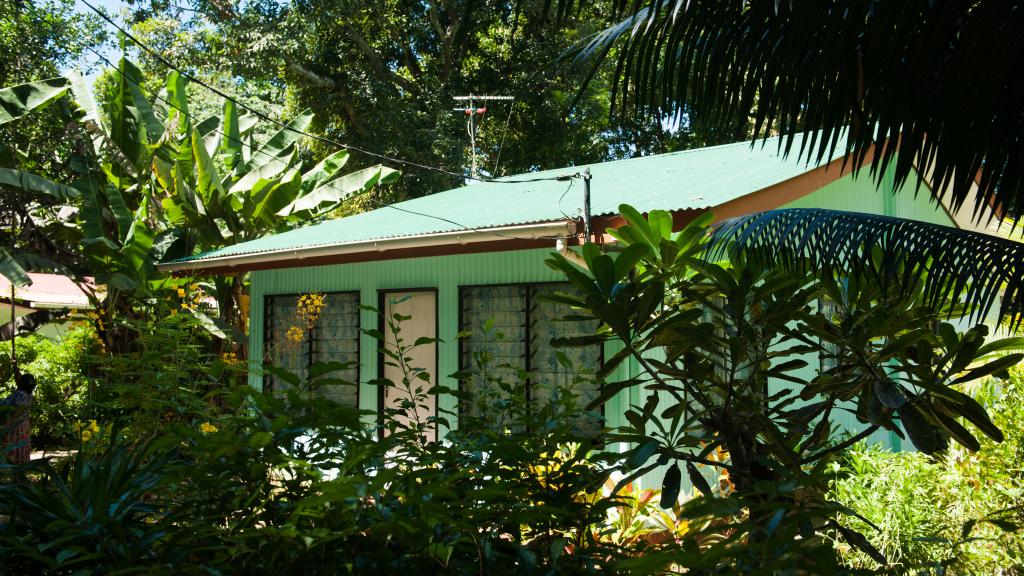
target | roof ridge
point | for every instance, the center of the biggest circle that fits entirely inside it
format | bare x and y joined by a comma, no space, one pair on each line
764,142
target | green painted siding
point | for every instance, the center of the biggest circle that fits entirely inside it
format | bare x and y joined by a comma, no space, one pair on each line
445,273
861,195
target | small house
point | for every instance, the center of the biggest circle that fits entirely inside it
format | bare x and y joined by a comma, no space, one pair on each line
472,258
55,293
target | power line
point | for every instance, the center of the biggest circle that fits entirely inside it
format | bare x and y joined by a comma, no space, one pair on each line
504,133
561,178
160,58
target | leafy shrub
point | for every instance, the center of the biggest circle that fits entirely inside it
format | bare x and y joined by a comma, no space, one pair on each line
960,509
93,511
249,482
61,369
168,375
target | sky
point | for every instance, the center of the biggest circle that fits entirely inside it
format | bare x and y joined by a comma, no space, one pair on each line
91,64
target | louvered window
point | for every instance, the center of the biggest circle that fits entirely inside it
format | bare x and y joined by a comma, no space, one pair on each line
511,328
291,345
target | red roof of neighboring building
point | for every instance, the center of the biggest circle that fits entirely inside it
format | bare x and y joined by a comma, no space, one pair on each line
48,290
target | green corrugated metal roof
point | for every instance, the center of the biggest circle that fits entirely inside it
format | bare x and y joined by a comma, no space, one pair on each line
700,178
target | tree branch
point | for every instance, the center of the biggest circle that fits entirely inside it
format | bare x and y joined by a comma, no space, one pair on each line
376,60
841,446
326,82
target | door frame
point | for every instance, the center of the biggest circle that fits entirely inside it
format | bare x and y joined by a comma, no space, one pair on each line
382,326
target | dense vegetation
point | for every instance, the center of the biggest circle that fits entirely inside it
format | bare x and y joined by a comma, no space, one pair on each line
731,463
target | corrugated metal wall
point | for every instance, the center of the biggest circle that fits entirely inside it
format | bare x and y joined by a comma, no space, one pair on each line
445,273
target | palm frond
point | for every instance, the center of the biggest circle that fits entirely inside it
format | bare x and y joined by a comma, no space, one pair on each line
921,86
951,265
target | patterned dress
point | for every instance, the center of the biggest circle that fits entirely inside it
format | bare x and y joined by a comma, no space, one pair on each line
15,426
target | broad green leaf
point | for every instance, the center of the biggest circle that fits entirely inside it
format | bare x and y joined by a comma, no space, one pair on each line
177,97
260,170
92,121
697,479
139,241
922,433
970,409
283,139
91,215
207,179
992,367
324,171
642,453
637,221
335,191
13,271
231,144
152,125
36,184
661,225
670,485
83,97
117,205
626,260
274,196
133,125
889,393
275,155
17,101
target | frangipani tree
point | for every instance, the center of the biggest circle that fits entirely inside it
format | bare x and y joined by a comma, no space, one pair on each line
157,183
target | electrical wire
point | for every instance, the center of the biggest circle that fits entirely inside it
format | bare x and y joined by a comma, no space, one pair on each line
562,177
504,133
160,58
569,177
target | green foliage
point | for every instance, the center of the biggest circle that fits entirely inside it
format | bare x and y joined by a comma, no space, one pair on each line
95,511
959,511
832,69
61,368
153,182
242,482
381,76
169,375
722,348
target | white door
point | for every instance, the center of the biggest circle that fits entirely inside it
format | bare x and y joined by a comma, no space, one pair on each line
414,373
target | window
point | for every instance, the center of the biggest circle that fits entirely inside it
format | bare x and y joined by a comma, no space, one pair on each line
512,327
291,345
830,353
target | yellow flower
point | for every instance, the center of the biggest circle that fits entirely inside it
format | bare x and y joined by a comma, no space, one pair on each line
181,292
207,428
295,335
94,427
309,308
86,435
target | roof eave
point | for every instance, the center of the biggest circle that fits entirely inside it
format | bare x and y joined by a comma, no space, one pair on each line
242,262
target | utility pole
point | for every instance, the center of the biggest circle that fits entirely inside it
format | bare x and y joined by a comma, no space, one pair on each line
470,109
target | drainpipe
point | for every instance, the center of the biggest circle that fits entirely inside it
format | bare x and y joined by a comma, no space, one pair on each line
586,205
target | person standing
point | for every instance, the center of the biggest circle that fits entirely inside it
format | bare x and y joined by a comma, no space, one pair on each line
17,427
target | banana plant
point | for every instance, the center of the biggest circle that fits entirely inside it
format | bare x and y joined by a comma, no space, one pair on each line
17,102
157,184
220,187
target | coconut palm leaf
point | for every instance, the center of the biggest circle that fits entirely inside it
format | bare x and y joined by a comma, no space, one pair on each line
951,265
936,84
